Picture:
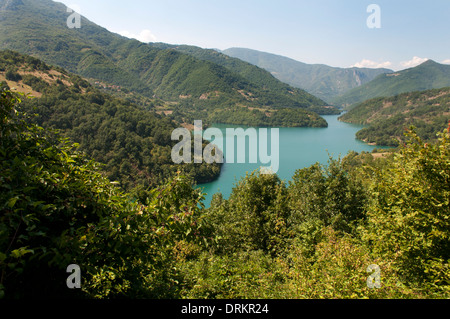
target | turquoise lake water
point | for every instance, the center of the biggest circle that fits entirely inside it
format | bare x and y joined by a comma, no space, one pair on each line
298,148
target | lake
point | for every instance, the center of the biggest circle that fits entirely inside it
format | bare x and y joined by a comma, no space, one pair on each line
298,148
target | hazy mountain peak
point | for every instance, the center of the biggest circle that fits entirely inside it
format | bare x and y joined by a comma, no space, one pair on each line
429,63
321,80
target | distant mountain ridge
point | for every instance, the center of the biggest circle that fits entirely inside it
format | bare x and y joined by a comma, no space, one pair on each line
321,80
39,28
247,70
426,76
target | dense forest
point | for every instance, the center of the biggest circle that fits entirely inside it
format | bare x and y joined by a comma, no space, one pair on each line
230,113
133,143
314,237
283,117
387,118
38,28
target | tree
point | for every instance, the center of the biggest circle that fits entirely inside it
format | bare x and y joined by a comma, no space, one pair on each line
254,217
408,217
57,209
12,75
331,194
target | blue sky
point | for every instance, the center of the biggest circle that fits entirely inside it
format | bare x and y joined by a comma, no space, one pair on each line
332,32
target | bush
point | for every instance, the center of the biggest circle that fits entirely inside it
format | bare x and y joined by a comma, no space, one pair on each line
254,217
338,269
12,75
408,218
57,209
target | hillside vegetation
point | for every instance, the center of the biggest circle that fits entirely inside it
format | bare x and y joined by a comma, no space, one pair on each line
428,75
132,142
312,238
197,86
251,72
387,118
86,177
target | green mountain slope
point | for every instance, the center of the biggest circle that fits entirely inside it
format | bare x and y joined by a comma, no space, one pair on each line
428,75
132,142
250,72
320,80
39,28
428,111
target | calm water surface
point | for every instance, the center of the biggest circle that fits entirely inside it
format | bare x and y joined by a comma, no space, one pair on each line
298,148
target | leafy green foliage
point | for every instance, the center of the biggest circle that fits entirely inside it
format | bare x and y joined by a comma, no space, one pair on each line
337,270
408,219
332,195
254,217
311,238
239,275
57,209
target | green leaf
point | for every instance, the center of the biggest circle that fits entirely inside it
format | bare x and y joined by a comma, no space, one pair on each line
12,202
18,253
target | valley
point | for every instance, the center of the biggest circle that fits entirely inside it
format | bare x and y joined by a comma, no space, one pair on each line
334,181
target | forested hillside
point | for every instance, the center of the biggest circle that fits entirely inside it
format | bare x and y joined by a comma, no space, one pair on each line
426,76
250,72
312,238
387,118
38,28
134,143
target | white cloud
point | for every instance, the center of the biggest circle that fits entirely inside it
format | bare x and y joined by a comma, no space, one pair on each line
144,36
415,61
446,61
372,64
